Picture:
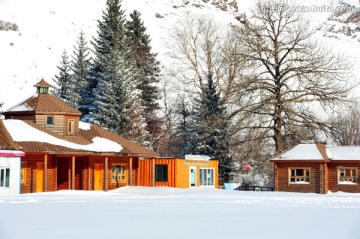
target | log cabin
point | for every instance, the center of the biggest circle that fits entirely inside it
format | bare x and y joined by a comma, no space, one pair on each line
61,152
315,167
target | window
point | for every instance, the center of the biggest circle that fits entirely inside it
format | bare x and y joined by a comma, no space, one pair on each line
71,126
23,172
118,173
161,173
347,175
4,177
43,90
299,175
49,120
206,177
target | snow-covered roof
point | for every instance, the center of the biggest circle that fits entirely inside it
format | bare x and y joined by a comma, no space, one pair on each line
21,131
301,152
22,106
343,152
310,151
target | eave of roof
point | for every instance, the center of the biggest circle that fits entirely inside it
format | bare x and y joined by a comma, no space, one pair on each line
84,138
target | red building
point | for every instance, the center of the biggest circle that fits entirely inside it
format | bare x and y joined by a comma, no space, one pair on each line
318,168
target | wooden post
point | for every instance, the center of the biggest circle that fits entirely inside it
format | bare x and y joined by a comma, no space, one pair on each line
73,172
106,173
153,173
89,173
45,172
130,172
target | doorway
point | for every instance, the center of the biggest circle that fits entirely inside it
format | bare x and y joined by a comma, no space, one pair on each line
192,176
98,176
39,177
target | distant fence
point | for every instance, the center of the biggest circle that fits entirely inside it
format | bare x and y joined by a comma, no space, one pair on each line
254,188
237,186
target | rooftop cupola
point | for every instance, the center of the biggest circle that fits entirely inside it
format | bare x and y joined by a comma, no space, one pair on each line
42,87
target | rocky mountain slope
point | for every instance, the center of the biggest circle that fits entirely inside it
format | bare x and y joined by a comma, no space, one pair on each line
33,34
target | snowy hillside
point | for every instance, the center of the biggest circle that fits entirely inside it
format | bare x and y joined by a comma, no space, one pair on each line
41,30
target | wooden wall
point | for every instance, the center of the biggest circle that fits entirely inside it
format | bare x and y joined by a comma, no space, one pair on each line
29,186
323,177
282,177
333,177
60,125
59,172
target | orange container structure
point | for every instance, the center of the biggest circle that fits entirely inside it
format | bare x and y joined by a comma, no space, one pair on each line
178,172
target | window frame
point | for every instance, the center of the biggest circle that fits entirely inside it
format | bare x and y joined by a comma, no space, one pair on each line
43,90
71,126
115,176
306,175
4,177
23,173
52,120
202,180
354,177
161,172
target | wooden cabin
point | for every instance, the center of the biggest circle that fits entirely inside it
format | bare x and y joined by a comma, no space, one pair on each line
191,171
318,168
63,153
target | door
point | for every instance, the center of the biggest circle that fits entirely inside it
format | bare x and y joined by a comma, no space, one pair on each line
98,176
63,173
39,177
192,176
79,166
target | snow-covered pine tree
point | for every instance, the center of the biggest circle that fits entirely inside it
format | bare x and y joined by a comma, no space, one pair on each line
211,128
149,68
109,92
80,66
65,87
111,95
116,75
136,127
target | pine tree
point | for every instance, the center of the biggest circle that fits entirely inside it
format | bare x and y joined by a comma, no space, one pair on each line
80,66
64,81
185,137
115,73
211,128
149,69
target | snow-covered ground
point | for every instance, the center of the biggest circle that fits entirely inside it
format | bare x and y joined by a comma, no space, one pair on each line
139,212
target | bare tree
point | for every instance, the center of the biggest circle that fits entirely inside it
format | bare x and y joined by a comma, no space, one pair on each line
292,77
345,126
201,47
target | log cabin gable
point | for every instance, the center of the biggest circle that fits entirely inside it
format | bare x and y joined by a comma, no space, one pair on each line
47,111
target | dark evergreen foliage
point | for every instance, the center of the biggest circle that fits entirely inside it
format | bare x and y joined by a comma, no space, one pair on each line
109,92
184,138
65,88
149,71
116,76
211,128
80,66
